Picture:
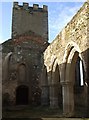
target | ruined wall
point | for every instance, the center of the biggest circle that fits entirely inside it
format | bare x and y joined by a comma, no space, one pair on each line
25,61
23,54
74,32
27,18
24,65
71,42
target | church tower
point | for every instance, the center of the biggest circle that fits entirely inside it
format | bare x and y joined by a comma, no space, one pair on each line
26,18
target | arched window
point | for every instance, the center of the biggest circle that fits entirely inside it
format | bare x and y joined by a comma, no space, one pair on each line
79,74
79,77
22,72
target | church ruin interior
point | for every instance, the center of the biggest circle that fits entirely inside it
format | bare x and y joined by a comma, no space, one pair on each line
38,73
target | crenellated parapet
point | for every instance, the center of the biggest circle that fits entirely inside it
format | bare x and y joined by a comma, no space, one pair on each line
26,6
30,18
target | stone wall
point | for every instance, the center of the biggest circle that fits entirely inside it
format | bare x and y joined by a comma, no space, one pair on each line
23,65
23,54
25,57
74,33
27,18
72,42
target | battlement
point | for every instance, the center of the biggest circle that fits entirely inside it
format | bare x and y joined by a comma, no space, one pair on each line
30,18
26,6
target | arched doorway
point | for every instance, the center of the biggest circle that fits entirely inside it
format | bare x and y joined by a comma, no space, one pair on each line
22,93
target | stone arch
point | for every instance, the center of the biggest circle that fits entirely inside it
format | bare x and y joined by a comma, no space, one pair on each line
55,72
44,78
45,87
68,49
22,95
73,58
55,86
6,66
69,78
22,72
70,64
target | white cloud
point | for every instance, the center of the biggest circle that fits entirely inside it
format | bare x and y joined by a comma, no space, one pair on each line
60,20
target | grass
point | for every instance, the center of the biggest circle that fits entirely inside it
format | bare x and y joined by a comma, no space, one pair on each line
32,112
38,112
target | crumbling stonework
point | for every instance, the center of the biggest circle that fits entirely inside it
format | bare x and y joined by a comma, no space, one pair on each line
19,67
25,17
69,45
23,55
43,74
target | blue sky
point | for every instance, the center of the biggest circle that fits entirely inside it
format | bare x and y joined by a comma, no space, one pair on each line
59,14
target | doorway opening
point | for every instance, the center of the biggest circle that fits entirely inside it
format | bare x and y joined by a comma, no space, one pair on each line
22,95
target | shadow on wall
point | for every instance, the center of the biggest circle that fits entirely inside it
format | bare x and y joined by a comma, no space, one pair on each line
75,87
74,98
6,99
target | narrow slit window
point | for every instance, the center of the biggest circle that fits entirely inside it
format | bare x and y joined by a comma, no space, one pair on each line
81,73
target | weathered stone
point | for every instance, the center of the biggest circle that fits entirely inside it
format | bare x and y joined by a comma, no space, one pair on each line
51,73
70,43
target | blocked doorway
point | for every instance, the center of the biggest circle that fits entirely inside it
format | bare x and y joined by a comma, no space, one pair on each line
22,93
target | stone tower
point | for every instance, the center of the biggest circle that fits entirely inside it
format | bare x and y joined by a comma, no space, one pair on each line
26,18
23,55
